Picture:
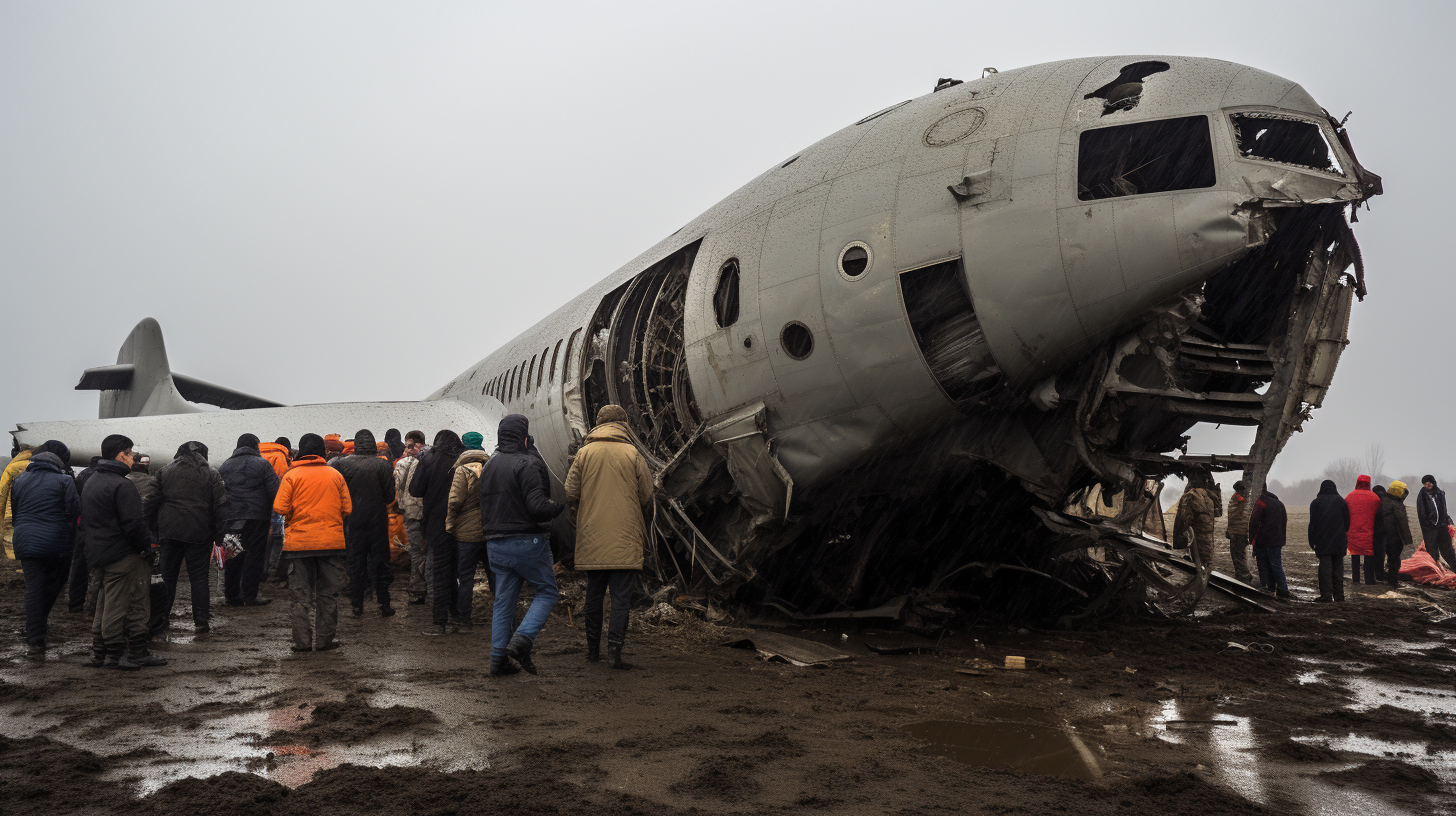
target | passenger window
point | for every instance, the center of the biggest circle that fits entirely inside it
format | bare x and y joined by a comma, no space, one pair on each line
555,355
541,372
1146,157
725,299
530,369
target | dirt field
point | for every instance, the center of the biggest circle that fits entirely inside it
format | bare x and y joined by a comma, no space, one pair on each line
1316,709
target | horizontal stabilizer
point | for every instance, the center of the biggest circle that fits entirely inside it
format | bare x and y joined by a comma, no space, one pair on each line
196,390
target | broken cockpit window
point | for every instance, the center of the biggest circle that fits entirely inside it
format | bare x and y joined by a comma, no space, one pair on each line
1284,139
1146,157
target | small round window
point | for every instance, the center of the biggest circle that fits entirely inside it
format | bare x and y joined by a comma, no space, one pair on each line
797,340
854,260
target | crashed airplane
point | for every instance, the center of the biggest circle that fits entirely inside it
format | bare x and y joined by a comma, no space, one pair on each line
887,367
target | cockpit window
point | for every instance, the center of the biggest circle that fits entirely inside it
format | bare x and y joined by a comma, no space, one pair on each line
1146,157
1284,139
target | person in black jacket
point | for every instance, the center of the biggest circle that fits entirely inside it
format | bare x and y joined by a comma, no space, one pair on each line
1393,521
393,441
116,540
191,514
1329,524
1267,522
515,500
45,506
1435,521
251,484
431,482
366,531
83,578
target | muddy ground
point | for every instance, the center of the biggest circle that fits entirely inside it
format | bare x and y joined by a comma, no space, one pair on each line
1318,709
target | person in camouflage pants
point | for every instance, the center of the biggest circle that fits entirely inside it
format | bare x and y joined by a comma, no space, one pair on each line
1197,509
1238,533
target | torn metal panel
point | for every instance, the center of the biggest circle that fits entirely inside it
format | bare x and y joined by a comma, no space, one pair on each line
740,438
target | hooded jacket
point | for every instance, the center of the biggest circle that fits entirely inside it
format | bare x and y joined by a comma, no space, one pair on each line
45,506
410,506
515,497
431,483
1267,521
111,515
275,455
1329,520
608,484
191,505
462,513
13,469
1393,519
1431,511
371,486
1364,505
394,443
252,484
313,499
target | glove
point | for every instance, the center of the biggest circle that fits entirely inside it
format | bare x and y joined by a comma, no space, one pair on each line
232,544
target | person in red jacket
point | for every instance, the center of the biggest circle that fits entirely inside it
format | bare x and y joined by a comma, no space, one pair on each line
1364,505
313,499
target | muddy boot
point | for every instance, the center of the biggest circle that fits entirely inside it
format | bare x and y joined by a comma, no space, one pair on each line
386,611
503,667
98,659
614,657
594,649
520,650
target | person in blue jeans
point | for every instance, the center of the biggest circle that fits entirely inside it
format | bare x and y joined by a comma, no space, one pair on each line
1267,523
515,500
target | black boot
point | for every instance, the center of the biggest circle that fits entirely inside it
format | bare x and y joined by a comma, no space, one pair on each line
503,667
98,659
594,649
520,649
614,656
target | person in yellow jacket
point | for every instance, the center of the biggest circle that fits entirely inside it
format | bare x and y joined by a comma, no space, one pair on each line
609,485
7,480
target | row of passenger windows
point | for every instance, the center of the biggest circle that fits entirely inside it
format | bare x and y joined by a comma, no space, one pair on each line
546,367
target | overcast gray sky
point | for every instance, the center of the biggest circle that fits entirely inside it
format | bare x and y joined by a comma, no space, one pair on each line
275,182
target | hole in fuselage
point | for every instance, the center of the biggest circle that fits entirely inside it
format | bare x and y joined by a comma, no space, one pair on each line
797,340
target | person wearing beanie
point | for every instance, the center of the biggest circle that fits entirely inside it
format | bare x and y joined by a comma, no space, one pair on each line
1395,524
366,535
1364,505
252,485
473,441
1435,521
610,487
19,462
1329,526
313,499
515,499
462,522
1237,533
431,484
115,527
412,509
45,509
191,513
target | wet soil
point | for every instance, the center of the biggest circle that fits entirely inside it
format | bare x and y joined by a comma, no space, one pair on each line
1330,708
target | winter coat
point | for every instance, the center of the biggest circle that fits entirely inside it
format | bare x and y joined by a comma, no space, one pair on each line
191,504
252,484
1196,510
7,478
404,470
1377,536
45,506
1431,511
1329,520
462,514
277,456
313,499
608,484
1267,522
111,515
1394,522
1364,505
371,485
146,485
515,497
431,483
1238,517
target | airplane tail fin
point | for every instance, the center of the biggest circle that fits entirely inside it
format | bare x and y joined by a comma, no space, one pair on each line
142,382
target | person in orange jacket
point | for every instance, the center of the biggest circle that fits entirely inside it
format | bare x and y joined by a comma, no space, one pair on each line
313,499
279,454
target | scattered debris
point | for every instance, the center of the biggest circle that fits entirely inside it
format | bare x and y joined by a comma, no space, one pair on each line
904,650
784,649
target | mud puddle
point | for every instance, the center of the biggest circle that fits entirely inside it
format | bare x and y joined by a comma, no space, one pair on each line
1010,737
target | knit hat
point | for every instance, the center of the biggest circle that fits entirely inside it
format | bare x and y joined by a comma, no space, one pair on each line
311,445
114,444
248,441
1397,489
1428,478
611,413
473,441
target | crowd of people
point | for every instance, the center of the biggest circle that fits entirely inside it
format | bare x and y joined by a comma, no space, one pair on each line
1369,524
320,519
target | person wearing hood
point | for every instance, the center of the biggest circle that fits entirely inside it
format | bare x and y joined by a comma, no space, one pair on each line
1395,525
366,535
610,486
20,460
431,484
412,509
1329,526
313,499
1363,504
1435,521
45,507
1267,524
116,542
1237,533
462,522
515,500
394,443
191,513
252,485
279,454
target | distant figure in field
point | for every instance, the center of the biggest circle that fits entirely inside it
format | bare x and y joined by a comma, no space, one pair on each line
1329,525
1364,504
1237,533
1267,525
1435,521
1396,526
